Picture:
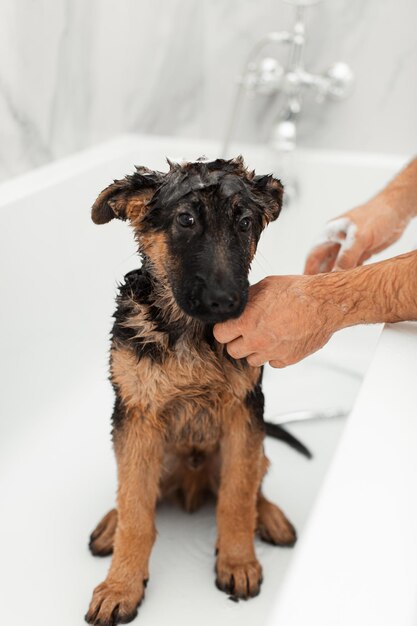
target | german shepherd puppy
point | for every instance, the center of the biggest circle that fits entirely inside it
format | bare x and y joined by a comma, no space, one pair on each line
188,419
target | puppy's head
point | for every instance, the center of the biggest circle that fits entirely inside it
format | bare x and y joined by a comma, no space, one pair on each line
198,226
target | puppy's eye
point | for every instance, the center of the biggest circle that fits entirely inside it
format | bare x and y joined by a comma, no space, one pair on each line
186,220
244,223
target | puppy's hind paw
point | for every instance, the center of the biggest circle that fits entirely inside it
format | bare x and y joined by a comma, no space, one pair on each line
273,526
102,538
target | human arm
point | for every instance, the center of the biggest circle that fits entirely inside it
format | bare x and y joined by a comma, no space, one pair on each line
358,234
289,317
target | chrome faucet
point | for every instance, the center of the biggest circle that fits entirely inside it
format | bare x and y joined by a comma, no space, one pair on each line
266,75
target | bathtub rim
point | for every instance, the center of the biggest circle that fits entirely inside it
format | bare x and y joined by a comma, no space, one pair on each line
50,174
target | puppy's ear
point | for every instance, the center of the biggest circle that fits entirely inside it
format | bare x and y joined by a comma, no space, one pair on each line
271,191
128,197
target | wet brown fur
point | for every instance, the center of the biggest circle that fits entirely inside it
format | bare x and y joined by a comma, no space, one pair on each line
185,433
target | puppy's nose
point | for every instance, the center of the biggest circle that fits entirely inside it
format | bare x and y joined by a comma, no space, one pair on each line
219,301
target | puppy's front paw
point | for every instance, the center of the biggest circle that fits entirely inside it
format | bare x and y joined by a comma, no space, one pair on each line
240,580
114,603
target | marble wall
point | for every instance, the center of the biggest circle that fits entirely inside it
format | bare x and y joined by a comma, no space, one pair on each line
376,37
75,72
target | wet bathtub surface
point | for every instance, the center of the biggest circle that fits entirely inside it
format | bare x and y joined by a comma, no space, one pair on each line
58,479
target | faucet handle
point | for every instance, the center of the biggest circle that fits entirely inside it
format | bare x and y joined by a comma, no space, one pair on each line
341,81
264,77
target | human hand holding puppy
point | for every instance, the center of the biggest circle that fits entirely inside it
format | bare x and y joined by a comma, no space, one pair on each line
283,322
289,317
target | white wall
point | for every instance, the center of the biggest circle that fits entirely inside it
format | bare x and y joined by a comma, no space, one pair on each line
376,37
74,72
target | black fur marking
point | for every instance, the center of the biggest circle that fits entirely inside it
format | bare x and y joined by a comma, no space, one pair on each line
119,412
193,180
255,402
158,318
139,283
137,289
208,336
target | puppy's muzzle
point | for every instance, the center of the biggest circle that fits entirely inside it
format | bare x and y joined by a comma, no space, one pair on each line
213,302
218,301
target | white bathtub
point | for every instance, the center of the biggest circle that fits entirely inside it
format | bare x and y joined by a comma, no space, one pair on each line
59,273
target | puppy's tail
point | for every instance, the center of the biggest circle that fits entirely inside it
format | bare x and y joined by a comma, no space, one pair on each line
278,432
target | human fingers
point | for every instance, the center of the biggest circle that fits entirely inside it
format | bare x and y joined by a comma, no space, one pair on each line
238,349
256,359
277,364
321,258
365,256
225,332
350,255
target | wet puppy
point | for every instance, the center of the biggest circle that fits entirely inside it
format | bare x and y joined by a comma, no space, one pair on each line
188,419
